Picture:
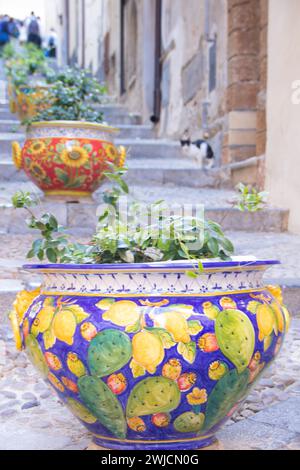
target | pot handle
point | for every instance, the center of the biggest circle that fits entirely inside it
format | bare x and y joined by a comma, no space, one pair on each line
122,156
16,329
17,155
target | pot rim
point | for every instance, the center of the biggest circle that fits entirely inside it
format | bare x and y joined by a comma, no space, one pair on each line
80,124
180,265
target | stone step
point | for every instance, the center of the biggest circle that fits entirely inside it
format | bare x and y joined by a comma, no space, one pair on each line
179,171
6,114
81,218
8,171
6,139
118,114
112,114
11,126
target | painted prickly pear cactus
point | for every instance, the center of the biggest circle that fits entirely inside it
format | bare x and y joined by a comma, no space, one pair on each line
161,369
189,422
236,337
103,404
108,352
226,393
153,395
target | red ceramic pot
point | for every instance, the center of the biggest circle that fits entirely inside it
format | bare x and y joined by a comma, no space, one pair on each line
68,157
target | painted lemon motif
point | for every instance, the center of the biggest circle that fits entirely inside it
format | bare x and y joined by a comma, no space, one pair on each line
266,321
287,318
75,365
122,313
279,316
147,350
104,304
43,320
64,326
176,324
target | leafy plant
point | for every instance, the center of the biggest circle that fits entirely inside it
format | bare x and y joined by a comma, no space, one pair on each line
128,235
73,92
250,199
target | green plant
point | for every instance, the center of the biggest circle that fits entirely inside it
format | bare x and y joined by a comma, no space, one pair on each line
73,92
133,233
250,199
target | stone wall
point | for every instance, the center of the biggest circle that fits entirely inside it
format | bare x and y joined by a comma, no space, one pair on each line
283,108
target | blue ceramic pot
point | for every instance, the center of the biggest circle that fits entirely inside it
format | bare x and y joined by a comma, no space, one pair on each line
148,357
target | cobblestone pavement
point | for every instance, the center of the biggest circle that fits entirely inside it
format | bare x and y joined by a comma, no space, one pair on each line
33,417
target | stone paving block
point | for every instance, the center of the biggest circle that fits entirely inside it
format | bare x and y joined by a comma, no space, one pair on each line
253,435
284,416
24,438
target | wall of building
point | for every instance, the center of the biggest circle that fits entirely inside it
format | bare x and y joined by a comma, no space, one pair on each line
188,35
283,108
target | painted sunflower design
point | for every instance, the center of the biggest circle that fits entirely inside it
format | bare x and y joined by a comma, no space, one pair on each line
111,152
37,172
37,148
75,157
17,155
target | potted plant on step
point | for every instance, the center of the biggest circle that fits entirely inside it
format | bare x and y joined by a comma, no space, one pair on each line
67,148
151,333
27,72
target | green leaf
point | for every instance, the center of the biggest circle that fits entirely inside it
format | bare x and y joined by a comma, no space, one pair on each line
134,328
136,369
163,335
194,327
51,255
62,175
78,312
187,351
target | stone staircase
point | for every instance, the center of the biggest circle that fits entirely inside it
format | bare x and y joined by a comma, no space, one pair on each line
157,170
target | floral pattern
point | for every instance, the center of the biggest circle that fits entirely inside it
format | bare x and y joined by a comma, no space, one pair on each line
62,164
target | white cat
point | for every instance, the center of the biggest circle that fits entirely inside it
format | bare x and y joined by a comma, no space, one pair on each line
199,151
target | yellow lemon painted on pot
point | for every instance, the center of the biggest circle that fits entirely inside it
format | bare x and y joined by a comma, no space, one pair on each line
64,326
43,320
287,317
75,365
147,350
175,324
104,304
266,321
279,316
122,313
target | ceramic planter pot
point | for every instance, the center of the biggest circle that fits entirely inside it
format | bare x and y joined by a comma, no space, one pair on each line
66,157
29,102
147,357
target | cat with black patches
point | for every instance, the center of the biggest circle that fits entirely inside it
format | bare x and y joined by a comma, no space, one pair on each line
199,151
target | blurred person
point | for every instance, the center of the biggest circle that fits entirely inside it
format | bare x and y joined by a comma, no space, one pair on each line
4,34
23,32
12,28
34,30
52,44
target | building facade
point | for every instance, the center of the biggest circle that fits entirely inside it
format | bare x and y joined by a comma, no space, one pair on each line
200,67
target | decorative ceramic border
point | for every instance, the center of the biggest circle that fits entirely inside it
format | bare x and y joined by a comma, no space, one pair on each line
155,283
71,129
